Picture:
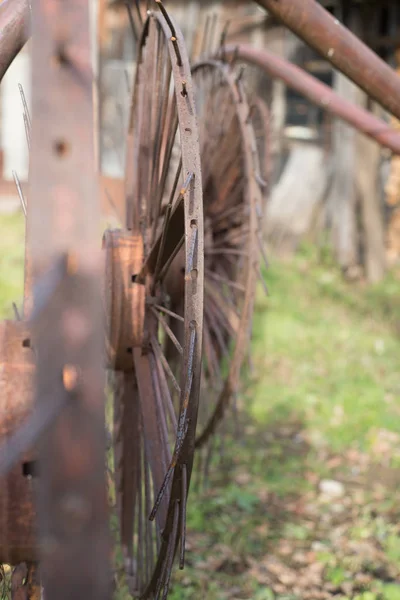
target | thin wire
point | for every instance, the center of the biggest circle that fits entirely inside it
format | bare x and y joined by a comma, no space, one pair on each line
20,194
25,105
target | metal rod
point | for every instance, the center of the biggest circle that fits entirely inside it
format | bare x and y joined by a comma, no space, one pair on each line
168,330
20,193
169,312
14,30
27,131
319,93
16,312
25,105
171,258
313,24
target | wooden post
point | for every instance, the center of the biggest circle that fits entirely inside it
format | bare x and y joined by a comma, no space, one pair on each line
342,200
367,173
392,193
343,197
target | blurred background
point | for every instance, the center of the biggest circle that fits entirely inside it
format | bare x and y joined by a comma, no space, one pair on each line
298,498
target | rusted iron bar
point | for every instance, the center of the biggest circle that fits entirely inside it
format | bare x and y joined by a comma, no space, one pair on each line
317,92
14,30
63,236
313,24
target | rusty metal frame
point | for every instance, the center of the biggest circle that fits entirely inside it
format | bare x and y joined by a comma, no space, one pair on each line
63,242
17,514
184,224
316,91
345,51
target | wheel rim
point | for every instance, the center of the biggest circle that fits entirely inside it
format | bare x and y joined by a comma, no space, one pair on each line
154,453
231,198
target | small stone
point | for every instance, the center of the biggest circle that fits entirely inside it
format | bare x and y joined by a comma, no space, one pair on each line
319,547
331,489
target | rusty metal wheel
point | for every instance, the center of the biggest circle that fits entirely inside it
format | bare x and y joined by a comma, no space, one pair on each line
153,354
160,259
231,198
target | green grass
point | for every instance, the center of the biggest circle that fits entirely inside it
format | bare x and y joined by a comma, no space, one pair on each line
12,249
321,402
328,351
325,384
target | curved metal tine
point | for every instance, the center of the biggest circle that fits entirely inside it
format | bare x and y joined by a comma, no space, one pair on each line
159,353
166,16
182,425
164,581
16,312
170,134
25,105
167,265
20,193
27,131
163,381
166,222
161,100
172,29
149,546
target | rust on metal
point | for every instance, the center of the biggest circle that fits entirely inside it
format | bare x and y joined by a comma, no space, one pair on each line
124,299
14,30
345,51
67,328
17,514
156,403
317,92
232,195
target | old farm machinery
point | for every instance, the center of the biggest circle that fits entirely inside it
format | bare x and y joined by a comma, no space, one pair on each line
171,290
150,279
154,385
